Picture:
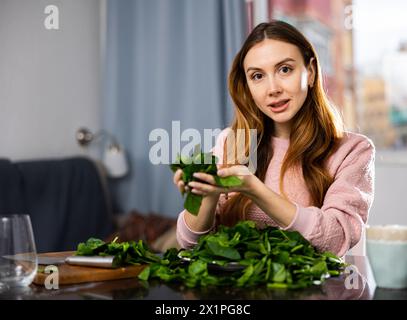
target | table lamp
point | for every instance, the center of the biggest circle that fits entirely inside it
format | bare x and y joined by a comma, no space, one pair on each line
114,157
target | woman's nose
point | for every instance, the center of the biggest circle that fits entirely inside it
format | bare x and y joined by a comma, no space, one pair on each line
274,87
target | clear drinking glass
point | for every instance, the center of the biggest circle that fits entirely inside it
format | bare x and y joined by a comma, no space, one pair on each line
18,256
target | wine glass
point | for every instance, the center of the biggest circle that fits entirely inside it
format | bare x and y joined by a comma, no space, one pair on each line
18,256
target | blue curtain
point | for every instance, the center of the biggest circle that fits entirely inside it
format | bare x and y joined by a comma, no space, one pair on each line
166,60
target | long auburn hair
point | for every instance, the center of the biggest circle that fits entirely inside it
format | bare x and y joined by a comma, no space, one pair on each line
315,132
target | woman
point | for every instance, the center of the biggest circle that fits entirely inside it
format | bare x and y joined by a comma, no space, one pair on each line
311,175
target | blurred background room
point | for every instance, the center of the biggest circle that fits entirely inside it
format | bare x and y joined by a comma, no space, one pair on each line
84,83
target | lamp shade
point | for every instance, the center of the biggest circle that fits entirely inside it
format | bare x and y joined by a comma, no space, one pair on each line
115,161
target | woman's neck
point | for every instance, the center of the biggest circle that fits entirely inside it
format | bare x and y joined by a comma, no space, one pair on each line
282,130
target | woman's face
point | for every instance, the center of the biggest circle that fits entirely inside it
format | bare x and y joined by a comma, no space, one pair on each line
278,81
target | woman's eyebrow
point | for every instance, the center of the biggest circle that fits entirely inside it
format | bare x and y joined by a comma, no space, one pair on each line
276,65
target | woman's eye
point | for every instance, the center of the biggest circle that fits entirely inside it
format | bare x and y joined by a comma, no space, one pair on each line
256,76
285,69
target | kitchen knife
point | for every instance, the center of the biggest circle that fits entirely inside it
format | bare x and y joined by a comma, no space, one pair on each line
92,261
51,260
88,261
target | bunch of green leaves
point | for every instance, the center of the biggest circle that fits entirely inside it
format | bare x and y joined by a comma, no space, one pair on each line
125,253
200,162
269,256
272,257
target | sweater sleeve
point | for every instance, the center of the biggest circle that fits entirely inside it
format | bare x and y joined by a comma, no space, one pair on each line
337,225
186,237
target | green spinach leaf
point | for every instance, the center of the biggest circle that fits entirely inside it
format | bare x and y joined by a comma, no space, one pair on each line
201,162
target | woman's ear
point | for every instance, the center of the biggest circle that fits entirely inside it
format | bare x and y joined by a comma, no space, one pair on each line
311,72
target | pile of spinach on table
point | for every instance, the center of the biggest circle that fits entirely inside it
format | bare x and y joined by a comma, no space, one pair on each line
125,253
200,162
270,256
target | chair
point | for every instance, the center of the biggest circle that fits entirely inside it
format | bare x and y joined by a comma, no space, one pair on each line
67,200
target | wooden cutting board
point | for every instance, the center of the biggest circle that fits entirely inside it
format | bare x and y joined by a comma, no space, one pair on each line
70,274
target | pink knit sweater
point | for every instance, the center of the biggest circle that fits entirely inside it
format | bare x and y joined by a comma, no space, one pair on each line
336,226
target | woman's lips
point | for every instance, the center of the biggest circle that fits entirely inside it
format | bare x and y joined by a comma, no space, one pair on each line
280,107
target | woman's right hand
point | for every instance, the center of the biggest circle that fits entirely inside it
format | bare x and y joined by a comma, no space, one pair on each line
179,182
206,217
205,185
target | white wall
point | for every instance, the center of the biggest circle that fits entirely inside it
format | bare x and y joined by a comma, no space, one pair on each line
390,203
49,79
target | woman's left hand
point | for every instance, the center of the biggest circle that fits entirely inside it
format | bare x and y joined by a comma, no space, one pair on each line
209,185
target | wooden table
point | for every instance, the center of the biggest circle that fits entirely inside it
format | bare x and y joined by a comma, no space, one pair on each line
356,283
